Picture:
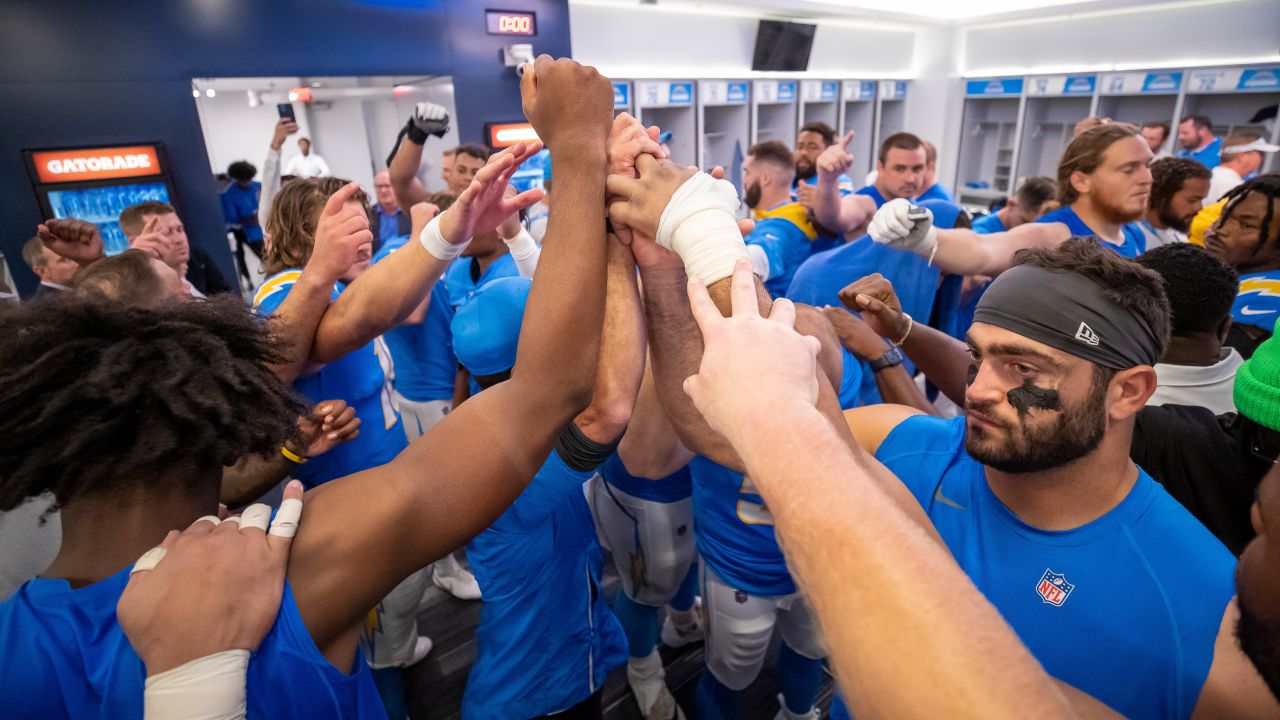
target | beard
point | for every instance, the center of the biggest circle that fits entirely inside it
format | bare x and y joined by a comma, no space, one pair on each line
1182,225
1050,445
752,198
1117,213
805,170
1260,642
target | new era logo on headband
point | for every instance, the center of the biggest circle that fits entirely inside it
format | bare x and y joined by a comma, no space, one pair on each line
1085,334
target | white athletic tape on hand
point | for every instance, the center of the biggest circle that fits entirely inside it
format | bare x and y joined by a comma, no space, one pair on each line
699,225
149,560
525,251
213,520
433,242
255,516
286,522
207,688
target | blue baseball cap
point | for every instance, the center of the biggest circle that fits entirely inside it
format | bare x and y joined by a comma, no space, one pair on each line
486,328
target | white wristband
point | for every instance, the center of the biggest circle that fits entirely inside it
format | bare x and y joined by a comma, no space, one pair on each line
433,242
207,688
525,251
699,225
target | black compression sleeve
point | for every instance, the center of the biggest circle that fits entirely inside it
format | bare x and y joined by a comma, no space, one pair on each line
580,452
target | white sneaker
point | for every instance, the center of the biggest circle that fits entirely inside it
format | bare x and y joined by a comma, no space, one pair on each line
421,649
648,683
785,714
449,575
681,628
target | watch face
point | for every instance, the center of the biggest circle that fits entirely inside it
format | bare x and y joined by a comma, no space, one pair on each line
891,357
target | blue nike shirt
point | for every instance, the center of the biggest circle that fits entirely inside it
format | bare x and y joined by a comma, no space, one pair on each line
826,240
63,656
547,638
363,379
785,243
1210,155
1135,242
1126,608
423,352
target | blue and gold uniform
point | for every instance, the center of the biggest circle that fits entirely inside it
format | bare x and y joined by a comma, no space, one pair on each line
786,235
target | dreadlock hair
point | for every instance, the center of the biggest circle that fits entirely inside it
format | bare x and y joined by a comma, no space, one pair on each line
1268,185
104,400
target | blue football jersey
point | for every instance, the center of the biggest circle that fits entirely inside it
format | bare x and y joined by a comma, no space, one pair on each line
63,655
1135,242
734,531
819,280
547,638
363,379
422,353
786,243
1258,302
1210,155
936,192
1125,608
826,240
988,224
673,488
871,192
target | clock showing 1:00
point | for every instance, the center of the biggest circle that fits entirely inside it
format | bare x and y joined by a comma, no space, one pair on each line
504,22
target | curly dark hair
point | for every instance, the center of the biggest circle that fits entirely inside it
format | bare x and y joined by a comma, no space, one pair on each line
1125,282
1167,177
242,170
1201,288
106,400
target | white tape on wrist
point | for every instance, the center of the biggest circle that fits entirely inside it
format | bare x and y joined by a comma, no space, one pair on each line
207,688
699,225
525,251
433,242
759,261
285,523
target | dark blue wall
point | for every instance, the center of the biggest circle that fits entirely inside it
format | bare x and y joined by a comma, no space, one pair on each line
84,73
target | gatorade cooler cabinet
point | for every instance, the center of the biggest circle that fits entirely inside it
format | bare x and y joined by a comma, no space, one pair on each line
97,183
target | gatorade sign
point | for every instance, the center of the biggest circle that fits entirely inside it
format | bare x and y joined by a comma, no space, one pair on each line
60,166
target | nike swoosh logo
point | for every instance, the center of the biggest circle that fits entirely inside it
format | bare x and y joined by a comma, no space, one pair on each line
1246,311
939,497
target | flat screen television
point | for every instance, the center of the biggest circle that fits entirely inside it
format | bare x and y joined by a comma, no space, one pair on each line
783,46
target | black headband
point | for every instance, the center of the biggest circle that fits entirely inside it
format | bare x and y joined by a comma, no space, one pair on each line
1070,312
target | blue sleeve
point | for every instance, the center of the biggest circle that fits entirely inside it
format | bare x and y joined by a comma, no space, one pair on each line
784,244
850,379
269,304
553,485
920,450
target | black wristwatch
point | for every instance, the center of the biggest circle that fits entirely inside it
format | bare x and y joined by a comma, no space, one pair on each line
890,358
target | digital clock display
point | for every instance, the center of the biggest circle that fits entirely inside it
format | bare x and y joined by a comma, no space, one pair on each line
502,22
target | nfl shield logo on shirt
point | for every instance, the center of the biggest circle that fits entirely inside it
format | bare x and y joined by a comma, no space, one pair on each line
1054,588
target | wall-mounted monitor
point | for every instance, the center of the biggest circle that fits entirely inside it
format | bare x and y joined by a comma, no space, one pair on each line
783,46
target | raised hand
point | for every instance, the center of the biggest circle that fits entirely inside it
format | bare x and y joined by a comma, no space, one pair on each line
75,240
419,215
430,119
155,243
569,105
328,425
855,334
283,129
214,587
485,203
628,139
836,159
873,296
741,349
807,195
342,235
638,203
901,225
